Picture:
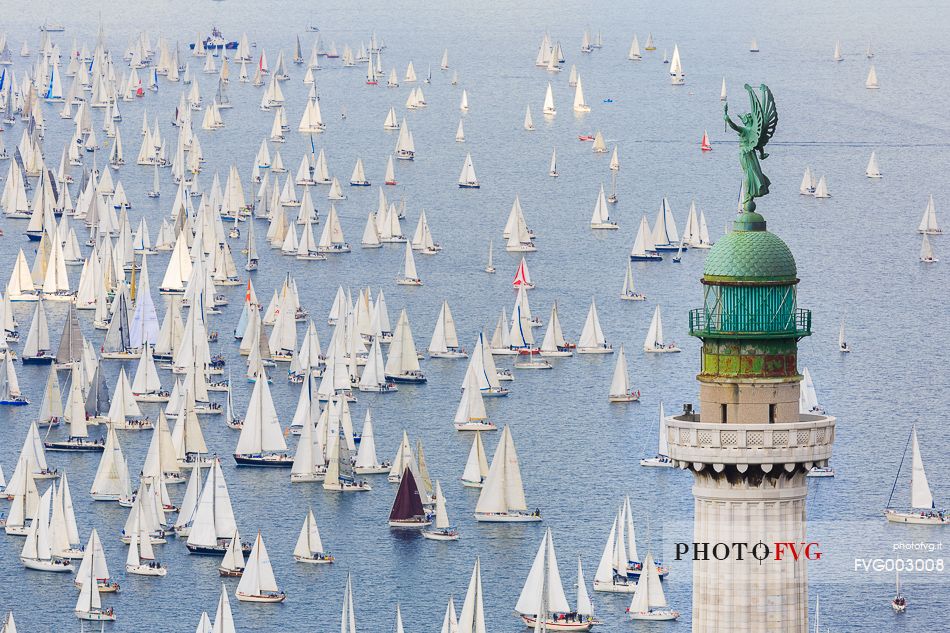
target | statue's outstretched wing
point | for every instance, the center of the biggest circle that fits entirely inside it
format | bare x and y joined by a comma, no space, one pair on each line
764,115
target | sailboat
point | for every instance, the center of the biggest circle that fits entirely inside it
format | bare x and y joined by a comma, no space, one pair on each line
871,82
899,603
476,466
403,362
340,475
677,76
366,461
873,169
662,457
89,605
592,339
140,560
490,267
644,250
704,144
926,251
611,575
262,441
522,276
528,122
309,547
213,527
542,604
620,389
580,104
407,510
442,529
502,497
654,341
928,223
722,90
552,170
37,552
468,179
471,414
754,46
257,582
601,216
76,415
37,349
837,54
649,602
821,190
548,108
445,342
807,187
629,292
843,346
410,277
553,344
921,498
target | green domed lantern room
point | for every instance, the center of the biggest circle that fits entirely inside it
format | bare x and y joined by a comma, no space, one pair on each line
750,325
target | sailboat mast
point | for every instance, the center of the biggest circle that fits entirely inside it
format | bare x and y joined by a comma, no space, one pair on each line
901,465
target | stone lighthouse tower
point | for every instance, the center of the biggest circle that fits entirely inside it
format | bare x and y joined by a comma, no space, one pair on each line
748,447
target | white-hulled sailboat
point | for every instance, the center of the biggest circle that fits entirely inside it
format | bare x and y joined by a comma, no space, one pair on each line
257,582
843,346
410,277
873,169
476,466
37,552
928,223
629,291
649,602
542,604
445,342
592,340
471,414
442,529
309,547
600,219
923,510
926,250
502,497
468,179
662,458
654,343
620,389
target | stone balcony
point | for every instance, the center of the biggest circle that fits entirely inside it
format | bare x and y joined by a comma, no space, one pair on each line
693,443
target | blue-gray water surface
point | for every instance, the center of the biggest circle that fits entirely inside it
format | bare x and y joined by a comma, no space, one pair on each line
857,255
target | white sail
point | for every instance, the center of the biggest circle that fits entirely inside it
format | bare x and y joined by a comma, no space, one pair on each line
503,491
542,589
920,494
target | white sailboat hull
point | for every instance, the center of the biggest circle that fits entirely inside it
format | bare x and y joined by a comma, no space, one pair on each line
610,587
594,350
441,535
626,397
513,517
146,570
661,614
558,625
264,599
662,350
372,470
54,565
298,478
919,518
316,559
657,462
476,426
96,616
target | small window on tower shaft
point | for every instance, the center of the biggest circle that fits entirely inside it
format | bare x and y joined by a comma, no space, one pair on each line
723,411
772,414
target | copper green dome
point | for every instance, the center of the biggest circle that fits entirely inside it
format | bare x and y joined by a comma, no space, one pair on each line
755,255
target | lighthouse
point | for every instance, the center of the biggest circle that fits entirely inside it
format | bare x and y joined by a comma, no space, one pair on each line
748,446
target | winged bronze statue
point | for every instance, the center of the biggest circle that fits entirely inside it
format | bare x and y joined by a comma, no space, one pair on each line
755,131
